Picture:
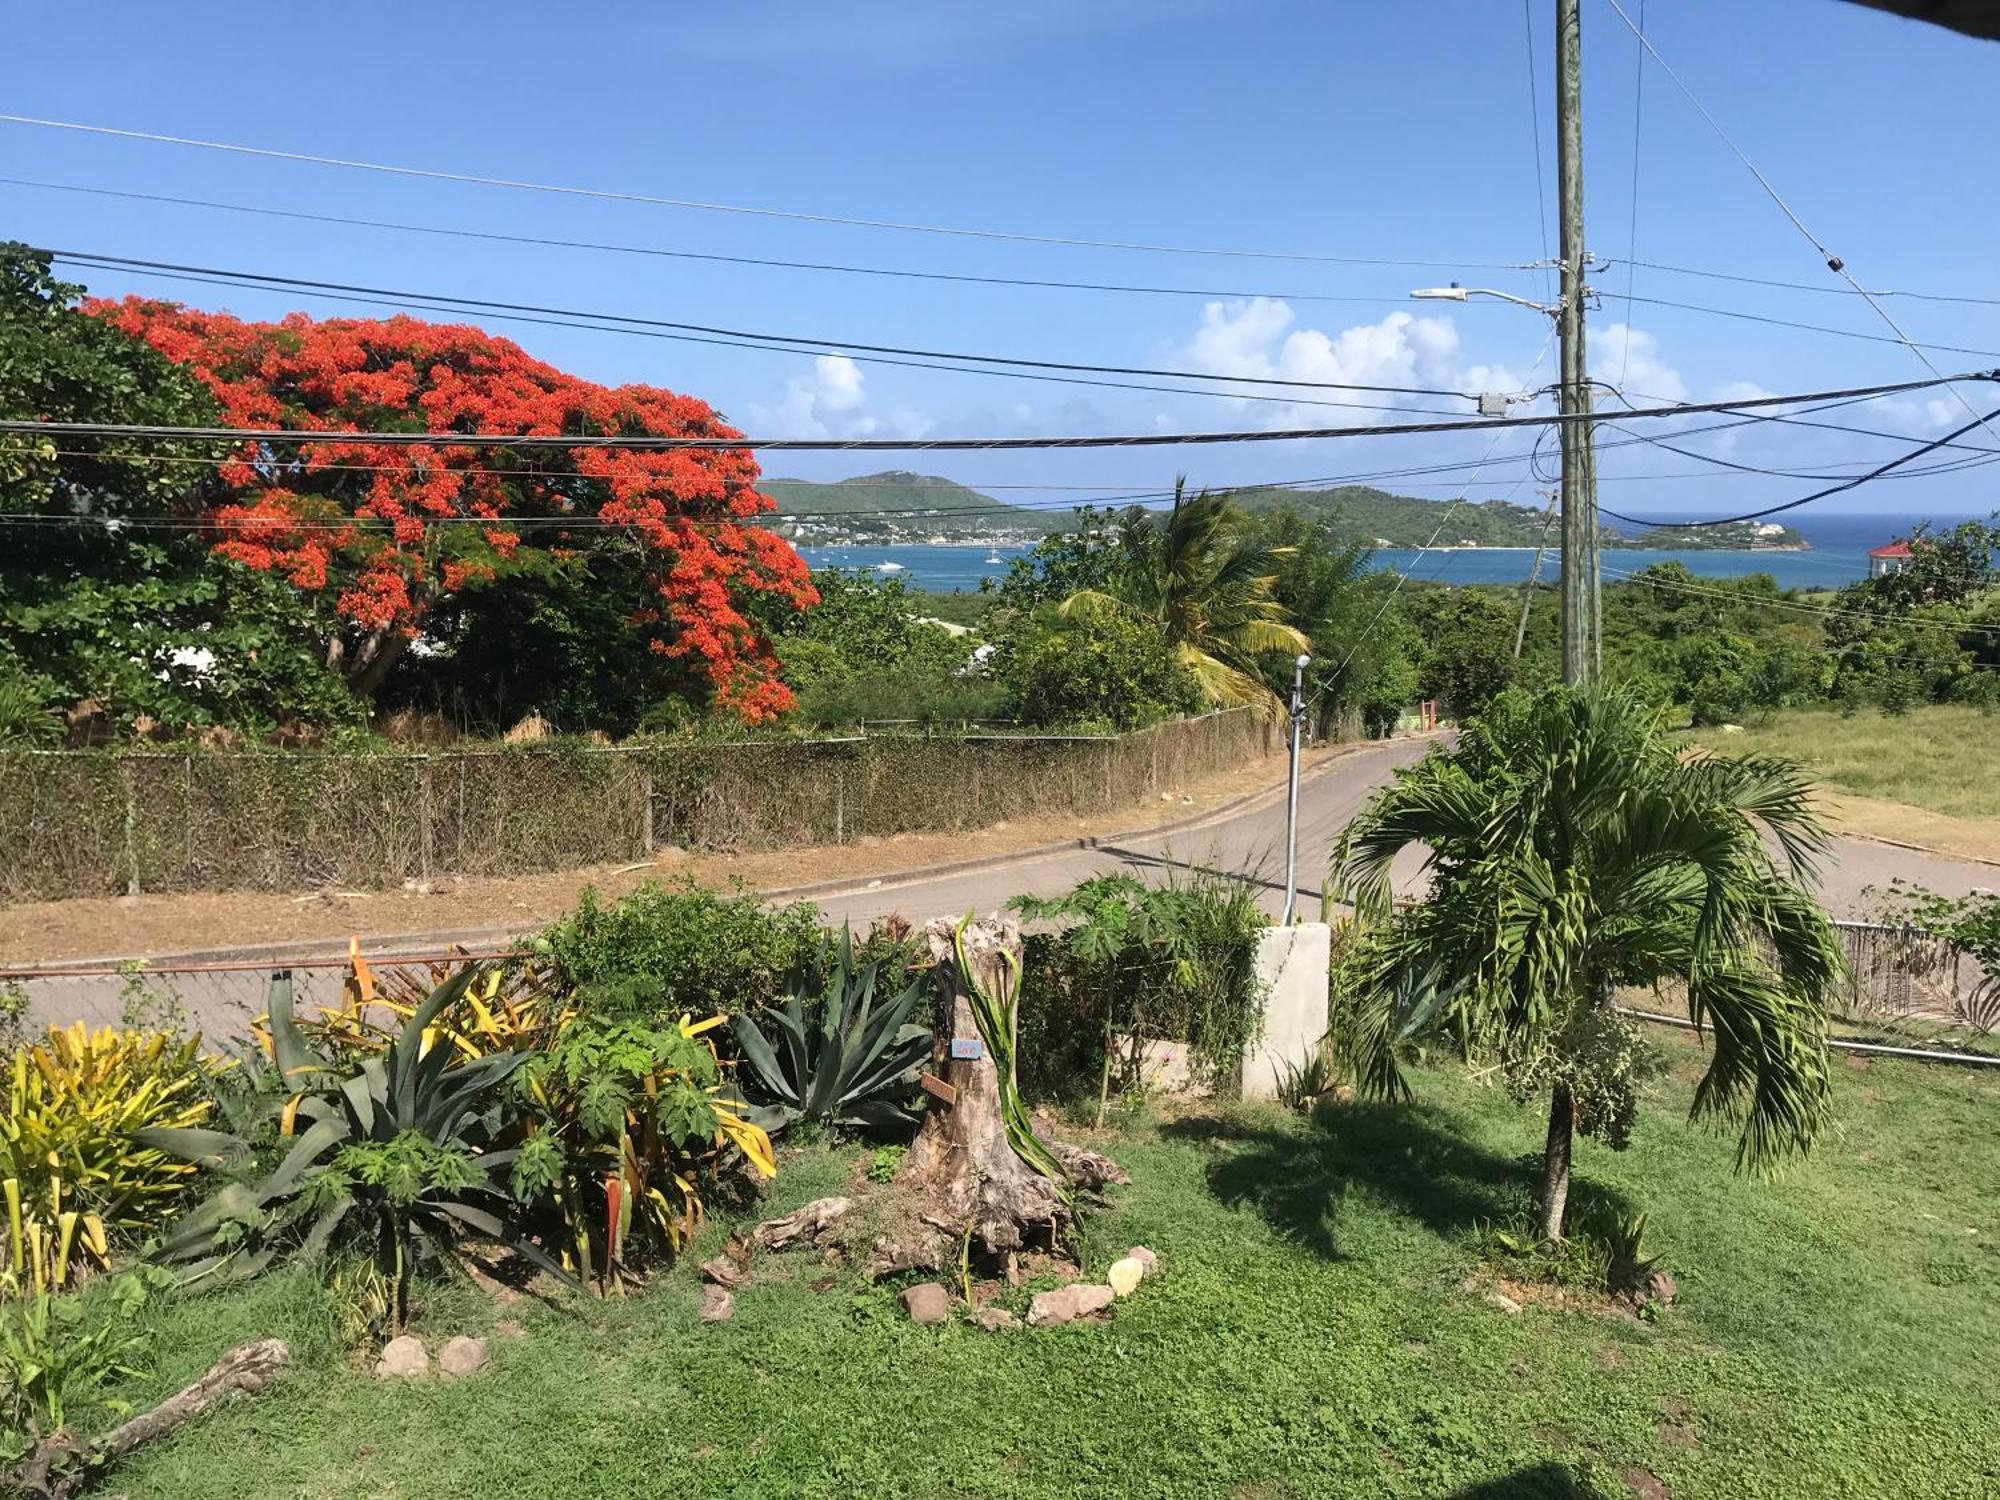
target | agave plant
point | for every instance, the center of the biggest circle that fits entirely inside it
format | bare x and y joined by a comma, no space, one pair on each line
399,1152
839,1057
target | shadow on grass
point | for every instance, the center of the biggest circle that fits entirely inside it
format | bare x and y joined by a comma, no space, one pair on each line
1409,1156
1542,1482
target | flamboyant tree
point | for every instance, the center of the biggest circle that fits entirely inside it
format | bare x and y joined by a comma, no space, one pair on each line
384,533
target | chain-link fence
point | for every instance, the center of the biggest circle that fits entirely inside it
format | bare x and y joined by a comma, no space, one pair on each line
1896,975
220,1000
93,823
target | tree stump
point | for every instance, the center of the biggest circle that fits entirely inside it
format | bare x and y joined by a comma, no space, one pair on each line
962,1159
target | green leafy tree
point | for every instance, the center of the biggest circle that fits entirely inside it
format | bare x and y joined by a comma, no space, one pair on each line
1573,851
1120,670
1200,575
1465,650
103,595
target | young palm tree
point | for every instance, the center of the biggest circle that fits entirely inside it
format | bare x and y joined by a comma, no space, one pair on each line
1572,850
1208,587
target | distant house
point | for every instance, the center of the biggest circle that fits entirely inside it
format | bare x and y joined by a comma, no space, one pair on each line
1890,559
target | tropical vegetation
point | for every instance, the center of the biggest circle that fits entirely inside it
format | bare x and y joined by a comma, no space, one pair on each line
1572,853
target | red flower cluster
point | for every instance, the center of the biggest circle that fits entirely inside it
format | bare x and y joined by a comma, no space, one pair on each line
392,529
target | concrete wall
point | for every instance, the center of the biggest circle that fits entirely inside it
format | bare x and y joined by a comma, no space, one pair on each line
1291,965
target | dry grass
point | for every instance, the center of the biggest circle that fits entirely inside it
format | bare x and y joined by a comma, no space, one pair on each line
1944,760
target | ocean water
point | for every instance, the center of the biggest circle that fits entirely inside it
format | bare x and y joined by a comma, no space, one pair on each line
1839,555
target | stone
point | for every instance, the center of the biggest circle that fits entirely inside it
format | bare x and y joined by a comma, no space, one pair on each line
1125,1275
461,1356
403,1359
993,1319
1501,1300
1145,1258
927,1302
718,1304
1066,1304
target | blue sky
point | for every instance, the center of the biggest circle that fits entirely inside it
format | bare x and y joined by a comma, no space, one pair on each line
1374,131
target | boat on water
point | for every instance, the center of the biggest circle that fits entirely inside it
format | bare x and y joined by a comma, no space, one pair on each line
888,567
994,557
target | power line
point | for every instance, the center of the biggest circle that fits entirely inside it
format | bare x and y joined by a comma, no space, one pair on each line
551,242
120,262
1835,489
1535,129
1804,286
523,185
1833,262
647,442
1902,617
1844,333
405,304
1632,231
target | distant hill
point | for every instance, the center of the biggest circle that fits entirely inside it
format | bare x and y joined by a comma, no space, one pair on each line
903,506
1358,513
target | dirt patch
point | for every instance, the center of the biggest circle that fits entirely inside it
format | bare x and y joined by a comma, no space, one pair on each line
1677,1423
1899,823
1646,1484
142,925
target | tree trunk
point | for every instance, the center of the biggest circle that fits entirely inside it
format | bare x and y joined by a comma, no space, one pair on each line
60,1465
1555,1164
962,1158
380,651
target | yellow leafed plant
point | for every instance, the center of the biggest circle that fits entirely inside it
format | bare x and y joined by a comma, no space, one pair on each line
74,1169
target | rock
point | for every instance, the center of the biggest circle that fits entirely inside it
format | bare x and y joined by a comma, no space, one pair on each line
807,1223
1066,1304
1501,1300
718,1304
927,1302
403,1359
1145,1258
993,1319
461,1356
1125,1275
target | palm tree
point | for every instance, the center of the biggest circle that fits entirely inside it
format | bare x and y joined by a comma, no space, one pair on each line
1572,850
1207,586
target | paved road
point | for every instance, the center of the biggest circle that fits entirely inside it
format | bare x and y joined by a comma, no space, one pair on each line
1248,843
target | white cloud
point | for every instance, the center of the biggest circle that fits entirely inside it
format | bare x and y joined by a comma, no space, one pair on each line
1630,358
1256,337
833,402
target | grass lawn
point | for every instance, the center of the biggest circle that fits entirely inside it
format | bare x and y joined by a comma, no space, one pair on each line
1941,757
1311,1335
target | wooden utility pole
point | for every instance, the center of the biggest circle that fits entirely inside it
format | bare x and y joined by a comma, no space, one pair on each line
1580,608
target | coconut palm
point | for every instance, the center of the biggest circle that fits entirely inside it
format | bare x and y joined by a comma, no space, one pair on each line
1571,851
1197,575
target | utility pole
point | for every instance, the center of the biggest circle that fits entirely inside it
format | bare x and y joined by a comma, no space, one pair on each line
1581,619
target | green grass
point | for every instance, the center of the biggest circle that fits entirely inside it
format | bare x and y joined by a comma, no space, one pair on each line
1940,757
1311,1336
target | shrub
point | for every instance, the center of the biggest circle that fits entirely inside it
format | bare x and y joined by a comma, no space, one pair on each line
58,1355
1116,670
76,1163
681,947
1173,962
398,1154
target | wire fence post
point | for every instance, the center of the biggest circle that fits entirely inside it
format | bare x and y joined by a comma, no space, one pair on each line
646,811
131,827
424,817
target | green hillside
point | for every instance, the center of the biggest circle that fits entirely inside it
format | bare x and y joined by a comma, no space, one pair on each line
1358,513
902,506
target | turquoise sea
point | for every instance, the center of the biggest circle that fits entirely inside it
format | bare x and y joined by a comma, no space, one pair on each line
1839,555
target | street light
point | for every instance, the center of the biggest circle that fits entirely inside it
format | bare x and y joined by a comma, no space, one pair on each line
1292,806
1457,293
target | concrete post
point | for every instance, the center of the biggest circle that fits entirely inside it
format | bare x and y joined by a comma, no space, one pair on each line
1292,970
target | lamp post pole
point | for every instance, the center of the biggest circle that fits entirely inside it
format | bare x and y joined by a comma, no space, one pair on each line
1298,716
